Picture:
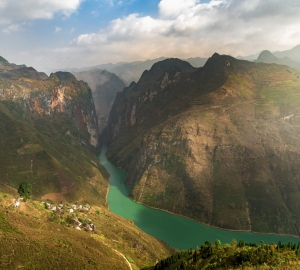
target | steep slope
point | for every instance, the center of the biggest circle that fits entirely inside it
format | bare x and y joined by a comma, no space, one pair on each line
49,138
268,57
218,144
49,134
33,237
104,87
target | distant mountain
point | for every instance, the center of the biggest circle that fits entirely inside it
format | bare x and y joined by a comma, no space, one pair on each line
293,53
132,71
268,57
218,144
104,87
251,57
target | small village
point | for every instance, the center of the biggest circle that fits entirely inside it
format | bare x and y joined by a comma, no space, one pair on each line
72,218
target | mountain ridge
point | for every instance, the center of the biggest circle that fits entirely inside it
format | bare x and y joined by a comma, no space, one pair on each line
199,135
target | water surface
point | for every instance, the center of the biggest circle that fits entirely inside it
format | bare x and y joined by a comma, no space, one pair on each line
176,231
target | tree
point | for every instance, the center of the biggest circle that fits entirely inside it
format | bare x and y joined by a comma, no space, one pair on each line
218,243
25,190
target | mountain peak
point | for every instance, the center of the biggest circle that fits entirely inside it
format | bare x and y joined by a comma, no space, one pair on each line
169,63
266,57
217,60
3,61
65,77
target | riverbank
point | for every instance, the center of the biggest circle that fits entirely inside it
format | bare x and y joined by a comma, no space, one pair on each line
215,227
176,230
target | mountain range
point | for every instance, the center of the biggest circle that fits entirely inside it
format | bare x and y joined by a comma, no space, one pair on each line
218,144
132,71
268,57
215,140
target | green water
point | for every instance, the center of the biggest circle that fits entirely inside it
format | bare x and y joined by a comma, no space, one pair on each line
176,231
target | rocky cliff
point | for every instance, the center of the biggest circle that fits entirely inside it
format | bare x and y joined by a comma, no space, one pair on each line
218,144
104,87
49,135
60,95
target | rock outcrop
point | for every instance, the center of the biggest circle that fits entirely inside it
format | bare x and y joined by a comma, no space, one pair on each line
59,95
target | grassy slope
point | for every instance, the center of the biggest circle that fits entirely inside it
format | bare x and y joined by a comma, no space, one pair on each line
53,162
29,240
227,147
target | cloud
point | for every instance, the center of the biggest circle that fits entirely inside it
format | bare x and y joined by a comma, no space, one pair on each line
12,28
189,28
16,10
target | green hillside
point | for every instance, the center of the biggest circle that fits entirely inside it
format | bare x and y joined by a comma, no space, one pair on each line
32,237
234,256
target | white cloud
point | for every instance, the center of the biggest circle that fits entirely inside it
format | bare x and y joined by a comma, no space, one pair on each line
12,28
191,27
16,10
187,29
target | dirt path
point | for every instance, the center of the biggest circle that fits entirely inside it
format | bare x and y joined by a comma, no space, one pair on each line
120,254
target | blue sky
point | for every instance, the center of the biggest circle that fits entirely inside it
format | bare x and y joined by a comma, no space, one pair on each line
55,34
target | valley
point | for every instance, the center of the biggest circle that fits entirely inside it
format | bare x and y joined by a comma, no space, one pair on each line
202,154
177,231
217,144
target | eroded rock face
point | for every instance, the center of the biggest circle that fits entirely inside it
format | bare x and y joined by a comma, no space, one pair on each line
60,95
217,144
104,87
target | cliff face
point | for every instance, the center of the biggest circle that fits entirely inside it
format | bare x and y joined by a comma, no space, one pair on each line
48,135
60,95
218,144
104,87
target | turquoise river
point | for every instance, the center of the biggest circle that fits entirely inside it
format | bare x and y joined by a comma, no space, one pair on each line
176,231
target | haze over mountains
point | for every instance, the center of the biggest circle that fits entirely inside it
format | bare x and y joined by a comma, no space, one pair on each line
129,72
104,87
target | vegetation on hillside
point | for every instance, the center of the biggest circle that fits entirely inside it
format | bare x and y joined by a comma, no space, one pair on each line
234,256
33,237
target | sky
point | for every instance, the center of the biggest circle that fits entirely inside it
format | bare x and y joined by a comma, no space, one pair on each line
56,34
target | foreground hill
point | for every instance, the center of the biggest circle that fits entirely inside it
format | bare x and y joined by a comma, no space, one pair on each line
218,144
234,256
32,237
105,86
